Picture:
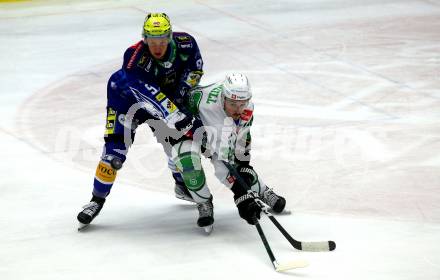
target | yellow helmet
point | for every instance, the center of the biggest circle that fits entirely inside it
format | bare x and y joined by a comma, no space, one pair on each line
156,25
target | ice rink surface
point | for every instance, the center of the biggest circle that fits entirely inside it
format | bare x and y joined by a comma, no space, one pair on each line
347,128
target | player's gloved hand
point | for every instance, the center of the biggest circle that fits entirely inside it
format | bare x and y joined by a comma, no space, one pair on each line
189,125
119,82
185,124
248,174
248,208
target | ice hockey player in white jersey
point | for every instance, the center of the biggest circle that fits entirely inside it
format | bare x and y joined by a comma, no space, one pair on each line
226,113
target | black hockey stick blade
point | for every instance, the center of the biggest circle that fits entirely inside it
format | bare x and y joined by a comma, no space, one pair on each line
313,246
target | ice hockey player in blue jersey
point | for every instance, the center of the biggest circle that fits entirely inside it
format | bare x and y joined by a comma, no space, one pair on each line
151,86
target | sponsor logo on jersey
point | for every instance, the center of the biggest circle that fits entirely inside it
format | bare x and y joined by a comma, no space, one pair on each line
169,106
110,127
213,95
160,96
167,64
110,124
145,63
170,72
183,39
150,62
110,112
133,56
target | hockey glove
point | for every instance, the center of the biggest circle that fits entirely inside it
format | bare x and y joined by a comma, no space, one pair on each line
248,208
248,174
188,125
185,124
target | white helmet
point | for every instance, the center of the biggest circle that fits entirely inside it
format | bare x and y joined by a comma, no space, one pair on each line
236,87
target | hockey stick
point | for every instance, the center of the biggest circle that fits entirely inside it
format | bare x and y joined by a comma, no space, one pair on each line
312,246
278,267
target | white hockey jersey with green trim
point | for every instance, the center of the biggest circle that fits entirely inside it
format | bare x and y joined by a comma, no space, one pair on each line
227,138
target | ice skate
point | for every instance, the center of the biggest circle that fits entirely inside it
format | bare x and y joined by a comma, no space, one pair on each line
276,202
285,212
182,192
208,229
89,212
206,215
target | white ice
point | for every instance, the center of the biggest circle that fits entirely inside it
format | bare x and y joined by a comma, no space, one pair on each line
347,127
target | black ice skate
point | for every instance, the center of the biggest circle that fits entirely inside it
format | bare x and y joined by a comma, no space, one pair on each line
90,211
276,202
182,192
206,215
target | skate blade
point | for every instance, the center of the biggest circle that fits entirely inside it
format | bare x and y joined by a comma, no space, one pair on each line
285,212
208,229
82,226
182,197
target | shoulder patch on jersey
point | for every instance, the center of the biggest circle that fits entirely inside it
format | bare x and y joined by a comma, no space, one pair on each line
145,62
137,49
182,36
183,39
193,78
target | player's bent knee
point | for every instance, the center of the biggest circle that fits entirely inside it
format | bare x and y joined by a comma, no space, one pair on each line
189,165
114,161
194,180
185,147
